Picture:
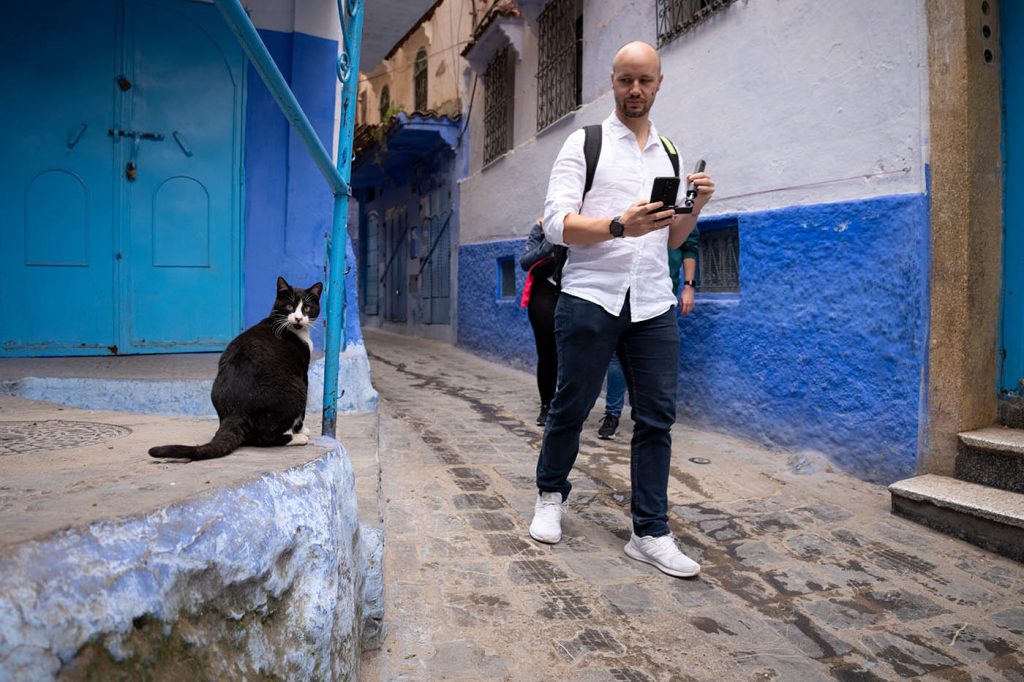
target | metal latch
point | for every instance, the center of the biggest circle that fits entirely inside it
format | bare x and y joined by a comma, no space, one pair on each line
131,169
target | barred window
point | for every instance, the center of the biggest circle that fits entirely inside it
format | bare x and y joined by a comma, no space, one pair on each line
385,103
499,102
419,80
719,259
676,17
560,57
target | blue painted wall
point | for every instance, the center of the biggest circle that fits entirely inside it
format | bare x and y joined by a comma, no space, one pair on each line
493,327
288,206
824,348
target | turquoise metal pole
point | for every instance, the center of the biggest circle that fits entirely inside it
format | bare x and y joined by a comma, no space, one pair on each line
241,26
348,73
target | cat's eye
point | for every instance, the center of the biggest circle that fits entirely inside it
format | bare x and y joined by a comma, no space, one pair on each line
305,308
289,307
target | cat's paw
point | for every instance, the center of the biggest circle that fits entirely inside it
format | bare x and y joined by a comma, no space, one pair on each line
305,431
299,439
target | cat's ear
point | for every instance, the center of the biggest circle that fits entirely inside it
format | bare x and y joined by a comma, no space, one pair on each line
282,285
316,289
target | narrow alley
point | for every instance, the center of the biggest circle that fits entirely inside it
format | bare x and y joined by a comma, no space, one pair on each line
805,574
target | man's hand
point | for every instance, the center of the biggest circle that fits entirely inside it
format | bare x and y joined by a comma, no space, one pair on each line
638,221
705,187
686,301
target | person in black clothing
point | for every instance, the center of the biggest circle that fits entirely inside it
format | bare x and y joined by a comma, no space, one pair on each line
539,297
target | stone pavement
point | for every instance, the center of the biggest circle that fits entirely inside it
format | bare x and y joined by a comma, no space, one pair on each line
806,575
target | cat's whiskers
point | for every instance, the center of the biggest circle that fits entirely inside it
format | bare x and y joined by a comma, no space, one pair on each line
280,323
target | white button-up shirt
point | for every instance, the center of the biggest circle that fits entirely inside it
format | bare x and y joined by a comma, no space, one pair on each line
603,273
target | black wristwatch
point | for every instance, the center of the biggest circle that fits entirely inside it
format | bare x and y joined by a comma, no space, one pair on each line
690,283
616,227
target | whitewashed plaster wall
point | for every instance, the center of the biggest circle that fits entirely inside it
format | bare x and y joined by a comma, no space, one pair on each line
443,36
795,103
313,17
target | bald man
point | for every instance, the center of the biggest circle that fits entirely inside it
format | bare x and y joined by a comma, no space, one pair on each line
617,298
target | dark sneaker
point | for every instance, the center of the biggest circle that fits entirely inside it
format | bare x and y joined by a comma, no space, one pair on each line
542,418
609,425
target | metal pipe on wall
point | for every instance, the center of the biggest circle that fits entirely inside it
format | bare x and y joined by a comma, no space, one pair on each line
348,74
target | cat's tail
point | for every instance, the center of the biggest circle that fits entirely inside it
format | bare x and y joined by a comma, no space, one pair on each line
229,437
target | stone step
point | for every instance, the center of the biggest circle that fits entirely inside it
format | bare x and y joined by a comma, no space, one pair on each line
985,516
1011,412
993,456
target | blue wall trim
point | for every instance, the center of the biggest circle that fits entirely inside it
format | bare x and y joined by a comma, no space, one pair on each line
824,348
288,205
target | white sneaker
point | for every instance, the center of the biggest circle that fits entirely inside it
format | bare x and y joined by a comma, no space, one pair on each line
662,553
547,518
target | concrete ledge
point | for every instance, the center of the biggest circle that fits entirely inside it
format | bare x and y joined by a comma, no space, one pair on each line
270,578
984,516
189,396
995,438
993,456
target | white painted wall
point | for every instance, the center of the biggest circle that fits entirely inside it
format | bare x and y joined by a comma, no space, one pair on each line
313,17
791,103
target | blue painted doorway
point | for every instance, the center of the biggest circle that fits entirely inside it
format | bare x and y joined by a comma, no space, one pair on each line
1012,29
121,177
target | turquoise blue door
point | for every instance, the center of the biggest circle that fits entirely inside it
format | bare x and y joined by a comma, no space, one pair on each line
1012,26
124,175
57,269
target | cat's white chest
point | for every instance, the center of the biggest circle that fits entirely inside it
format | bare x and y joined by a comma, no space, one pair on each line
304,335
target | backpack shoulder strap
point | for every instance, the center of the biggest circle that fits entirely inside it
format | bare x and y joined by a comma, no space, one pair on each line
673,153
591,152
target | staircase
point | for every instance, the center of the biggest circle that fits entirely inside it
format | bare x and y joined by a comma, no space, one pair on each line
984,502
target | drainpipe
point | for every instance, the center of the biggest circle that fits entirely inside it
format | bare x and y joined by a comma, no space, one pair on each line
350,12
348,74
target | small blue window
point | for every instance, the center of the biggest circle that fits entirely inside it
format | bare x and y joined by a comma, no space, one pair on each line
506,277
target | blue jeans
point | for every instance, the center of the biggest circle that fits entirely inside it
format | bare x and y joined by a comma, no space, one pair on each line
587,336
615,394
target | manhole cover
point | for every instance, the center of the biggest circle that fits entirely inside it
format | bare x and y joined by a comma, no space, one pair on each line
55,434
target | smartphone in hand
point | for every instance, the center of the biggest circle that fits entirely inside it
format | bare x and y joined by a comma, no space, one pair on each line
665,189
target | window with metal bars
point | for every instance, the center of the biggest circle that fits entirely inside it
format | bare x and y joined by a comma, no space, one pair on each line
385,103
419,80
719,259
676,17
560,61
499,103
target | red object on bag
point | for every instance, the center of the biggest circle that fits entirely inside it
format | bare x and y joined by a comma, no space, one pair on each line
525,301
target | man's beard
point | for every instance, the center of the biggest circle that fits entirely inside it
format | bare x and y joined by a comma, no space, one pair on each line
634,113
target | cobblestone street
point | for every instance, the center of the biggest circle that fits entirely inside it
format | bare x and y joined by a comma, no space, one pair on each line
805,574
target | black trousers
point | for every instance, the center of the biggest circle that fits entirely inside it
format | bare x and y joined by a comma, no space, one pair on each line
541,311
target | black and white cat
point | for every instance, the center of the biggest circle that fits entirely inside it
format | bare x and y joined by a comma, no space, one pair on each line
261,384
